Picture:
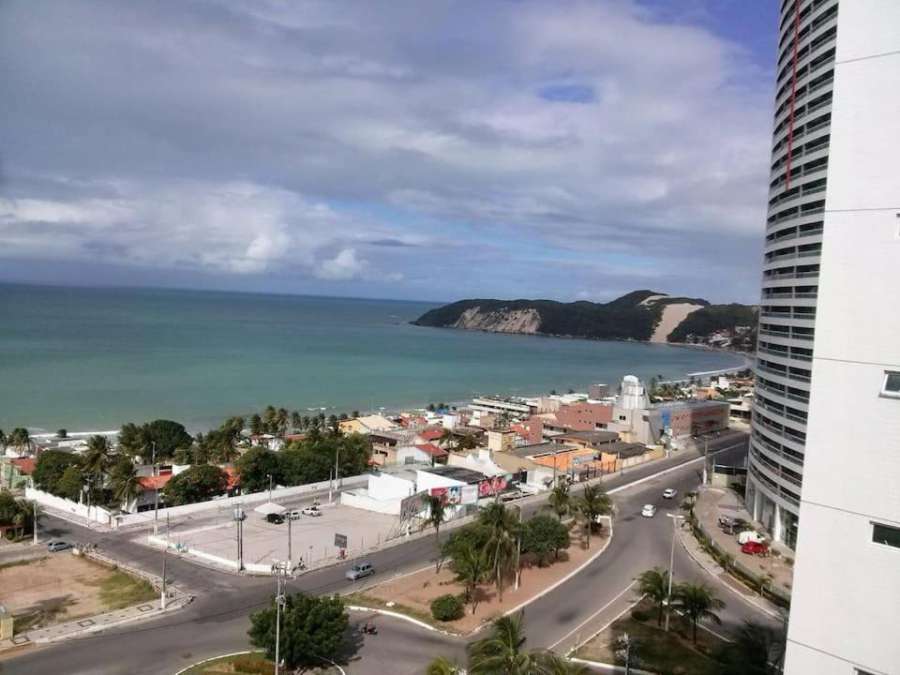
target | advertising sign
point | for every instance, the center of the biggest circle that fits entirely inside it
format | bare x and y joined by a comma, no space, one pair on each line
411,506
340,540
491,486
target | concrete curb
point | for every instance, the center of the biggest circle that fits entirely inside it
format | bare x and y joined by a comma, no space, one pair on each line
402,617
608,667
248,651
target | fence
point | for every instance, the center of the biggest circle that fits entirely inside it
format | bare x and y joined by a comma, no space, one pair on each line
96,514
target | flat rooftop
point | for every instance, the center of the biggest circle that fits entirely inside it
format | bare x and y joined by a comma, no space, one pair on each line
468,476
596,437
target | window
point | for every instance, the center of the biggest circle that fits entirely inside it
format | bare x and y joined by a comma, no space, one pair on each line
886,535
891,384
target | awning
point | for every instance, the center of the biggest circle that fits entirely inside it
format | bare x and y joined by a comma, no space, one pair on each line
269,508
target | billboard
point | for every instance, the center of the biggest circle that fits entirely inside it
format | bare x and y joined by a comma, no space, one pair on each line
491,486
411,506
469,494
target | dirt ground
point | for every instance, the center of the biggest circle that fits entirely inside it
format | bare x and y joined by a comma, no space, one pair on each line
62,587
416,591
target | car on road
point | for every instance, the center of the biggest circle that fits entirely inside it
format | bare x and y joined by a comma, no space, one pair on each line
648,511
669,493
275,518
312,511
511,495
360,571
58,545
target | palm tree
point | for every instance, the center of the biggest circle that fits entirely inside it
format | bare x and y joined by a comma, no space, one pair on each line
471,566
334,425
256,425
126,486
502,652
436,516
96,457
442,666
2,441
697,602
20,439
560,500
655,585
756,650
296,421
592,503
467,442
281,421
503,526
447,439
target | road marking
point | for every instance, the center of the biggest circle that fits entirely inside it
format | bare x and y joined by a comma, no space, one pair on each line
670,470
594,615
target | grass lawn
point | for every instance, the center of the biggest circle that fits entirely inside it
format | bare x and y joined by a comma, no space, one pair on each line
364,600
653,649
252,663
120,590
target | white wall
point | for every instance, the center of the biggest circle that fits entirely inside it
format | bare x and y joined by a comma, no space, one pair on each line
386,486
844,610
426,481
93,513
362,499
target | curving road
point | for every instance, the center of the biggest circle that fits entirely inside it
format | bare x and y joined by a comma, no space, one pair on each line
217,621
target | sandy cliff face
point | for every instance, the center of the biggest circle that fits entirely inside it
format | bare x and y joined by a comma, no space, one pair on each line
502,321
672,315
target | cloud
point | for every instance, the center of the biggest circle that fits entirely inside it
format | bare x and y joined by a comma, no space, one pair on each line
323,143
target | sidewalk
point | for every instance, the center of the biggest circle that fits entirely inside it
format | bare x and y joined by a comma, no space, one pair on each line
715,502
10,553
78,627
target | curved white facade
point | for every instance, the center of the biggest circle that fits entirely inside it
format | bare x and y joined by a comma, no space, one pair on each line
792,262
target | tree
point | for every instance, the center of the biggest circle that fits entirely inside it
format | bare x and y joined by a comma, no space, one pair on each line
296,421
559,499
133,440
755,650
256,425
312,630
198,484
281,421
49,469
126,487
503,527
16,512
654,584
698,603
471,566
466,442
97,458
543,535
2,441
168,436
502,651
593,503
70,484
255,467
443,666
20,439
62,433
270,420
436,516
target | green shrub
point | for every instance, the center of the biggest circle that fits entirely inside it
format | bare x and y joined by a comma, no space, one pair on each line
252,664
639,615
447,608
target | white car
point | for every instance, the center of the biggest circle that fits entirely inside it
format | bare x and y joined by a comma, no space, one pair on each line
312,511
648,511
669,493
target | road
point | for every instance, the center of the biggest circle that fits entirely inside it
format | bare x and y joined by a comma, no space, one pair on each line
217,621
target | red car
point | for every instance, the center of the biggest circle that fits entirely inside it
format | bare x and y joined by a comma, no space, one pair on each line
755,548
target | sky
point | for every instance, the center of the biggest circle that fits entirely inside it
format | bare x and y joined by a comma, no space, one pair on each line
410,149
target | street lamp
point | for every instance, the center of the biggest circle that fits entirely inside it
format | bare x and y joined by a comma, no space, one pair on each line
675,518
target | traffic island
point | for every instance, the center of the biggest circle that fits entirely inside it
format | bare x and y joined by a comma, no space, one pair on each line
650,648
412,595
246,663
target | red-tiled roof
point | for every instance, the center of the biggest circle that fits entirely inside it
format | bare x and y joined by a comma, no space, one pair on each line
431,434
432,450
25,465
154,482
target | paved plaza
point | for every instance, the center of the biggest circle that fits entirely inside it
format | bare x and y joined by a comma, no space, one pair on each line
312,539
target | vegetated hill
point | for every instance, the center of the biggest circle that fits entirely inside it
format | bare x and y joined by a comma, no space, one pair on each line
732,319
631,317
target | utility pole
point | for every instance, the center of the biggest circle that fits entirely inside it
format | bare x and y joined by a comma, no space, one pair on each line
279,602
155,489
330,485
675,519
34,517
626,640
162,600
270,488
337,466
290,549
519,550
239,516
705,457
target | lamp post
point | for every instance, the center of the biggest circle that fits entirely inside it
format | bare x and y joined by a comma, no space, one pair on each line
155,488
34,516
270,488
279,603
162,600
675,518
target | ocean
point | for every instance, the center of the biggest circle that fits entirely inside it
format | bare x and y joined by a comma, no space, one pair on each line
89,359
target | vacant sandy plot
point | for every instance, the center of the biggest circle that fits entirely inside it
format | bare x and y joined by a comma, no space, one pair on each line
62,587
415,592
672,315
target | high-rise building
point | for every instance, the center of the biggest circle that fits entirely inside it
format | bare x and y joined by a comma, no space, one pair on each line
827,410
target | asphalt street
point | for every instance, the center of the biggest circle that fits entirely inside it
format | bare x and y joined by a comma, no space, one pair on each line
216,622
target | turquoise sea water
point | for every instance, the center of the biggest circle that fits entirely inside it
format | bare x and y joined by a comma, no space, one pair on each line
94,358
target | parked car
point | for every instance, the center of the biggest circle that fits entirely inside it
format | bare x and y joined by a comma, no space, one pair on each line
360,571
57,545
755,548
312,511
648,511
511,495
669,493
274,518
750,536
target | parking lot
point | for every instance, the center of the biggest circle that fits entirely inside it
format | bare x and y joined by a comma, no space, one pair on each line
312,538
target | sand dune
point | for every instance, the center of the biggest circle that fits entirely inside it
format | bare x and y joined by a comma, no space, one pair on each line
672,315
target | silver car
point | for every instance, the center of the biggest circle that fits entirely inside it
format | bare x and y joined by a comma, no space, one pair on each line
360,571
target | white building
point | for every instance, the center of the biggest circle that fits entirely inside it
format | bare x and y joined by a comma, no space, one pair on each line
845,608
